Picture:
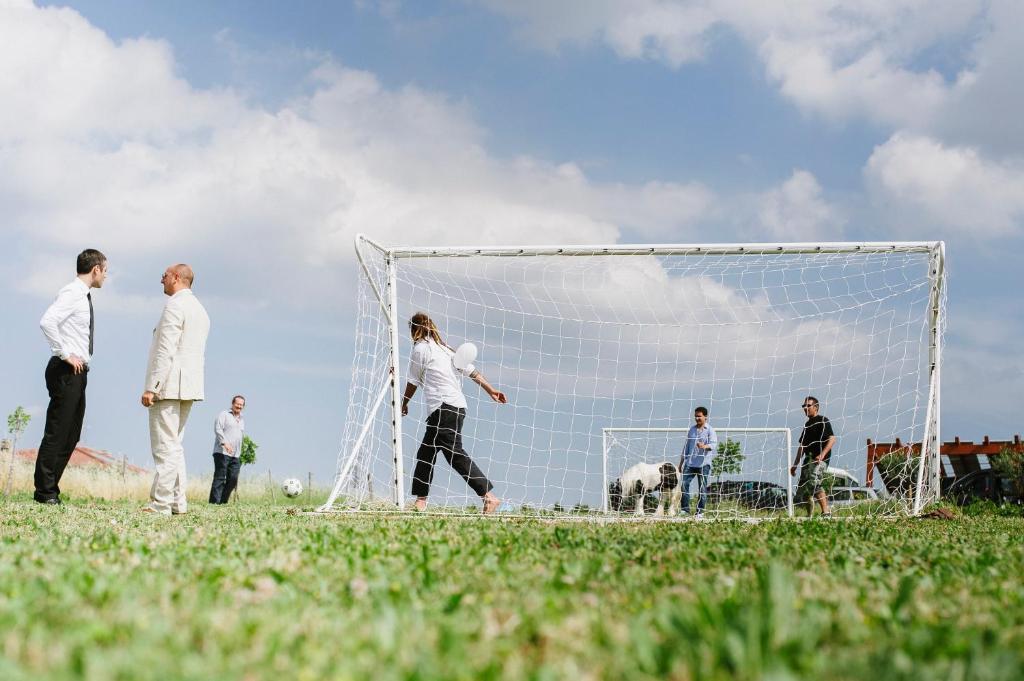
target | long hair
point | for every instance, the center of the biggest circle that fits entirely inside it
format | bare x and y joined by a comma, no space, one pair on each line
423,327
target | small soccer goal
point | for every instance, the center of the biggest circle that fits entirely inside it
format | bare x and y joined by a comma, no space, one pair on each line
748,474
586,338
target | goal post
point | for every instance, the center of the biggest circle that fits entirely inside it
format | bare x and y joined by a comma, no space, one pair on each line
759,475
579,337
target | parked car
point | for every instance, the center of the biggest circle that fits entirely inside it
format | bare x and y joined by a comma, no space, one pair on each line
764,496
753,494
724,491
842,477
979,485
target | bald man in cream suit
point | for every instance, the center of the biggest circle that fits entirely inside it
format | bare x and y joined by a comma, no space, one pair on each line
174,380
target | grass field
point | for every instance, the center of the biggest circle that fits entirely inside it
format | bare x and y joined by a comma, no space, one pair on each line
98,591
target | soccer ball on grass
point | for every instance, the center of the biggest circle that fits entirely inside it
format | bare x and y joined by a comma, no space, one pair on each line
291,487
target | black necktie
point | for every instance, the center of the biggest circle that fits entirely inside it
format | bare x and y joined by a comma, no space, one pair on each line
92,322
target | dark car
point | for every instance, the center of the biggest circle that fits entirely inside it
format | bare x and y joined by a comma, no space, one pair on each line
753,494
764,496
724,491
979,485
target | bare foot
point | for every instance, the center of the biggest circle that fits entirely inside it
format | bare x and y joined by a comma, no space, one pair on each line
420,505
491,504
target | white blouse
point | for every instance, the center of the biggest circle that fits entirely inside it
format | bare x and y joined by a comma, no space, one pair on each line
431,368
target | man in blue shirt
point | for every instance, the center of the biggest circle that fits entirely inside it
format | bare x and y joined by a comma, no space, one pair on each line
701,443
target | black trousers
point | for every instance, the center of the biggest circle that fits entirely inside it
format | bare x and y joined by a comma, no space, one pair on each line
444,433
63,426
225,477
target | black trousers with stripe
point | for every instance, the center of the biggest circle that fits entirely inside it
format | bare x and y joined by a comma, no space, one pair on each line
444,434
63,427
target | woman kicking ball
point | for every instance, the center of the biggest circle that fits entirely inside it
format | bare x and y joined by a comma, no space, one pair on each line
433,368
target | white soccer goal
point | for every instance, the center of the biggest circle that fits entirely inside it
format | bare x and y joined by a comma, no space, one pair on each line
756,483
584,337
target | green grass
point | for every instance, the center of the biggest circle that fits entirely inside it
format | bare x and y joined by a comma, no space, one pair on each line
99,591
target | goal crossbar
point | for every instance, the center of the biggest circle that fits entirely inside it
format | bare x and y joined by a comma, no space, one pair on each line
660,249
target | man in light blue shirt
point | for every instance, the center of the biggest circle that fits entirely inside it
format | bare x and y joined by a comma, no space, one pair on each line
701,443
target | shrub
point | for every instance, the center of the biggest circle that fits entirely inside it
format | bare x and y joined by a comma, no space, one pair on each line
899,471
1009,465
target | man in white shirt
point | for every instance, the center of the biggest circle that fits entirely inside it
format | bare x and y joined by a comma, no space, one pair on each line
69,326
174,380
228,430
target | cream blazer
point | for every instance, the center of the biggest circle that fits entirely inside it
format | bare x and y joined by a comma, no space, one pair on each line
177,355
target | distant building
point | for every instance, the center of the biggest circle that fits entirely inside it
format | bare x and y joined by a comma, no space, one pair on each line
959,457
86,456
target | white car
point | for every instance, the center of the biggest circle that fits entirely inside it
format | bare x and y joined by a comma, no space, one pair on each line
851,496
843,477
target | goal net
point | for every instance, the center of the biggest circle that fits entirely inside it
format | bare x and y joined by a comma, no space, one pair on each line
582,339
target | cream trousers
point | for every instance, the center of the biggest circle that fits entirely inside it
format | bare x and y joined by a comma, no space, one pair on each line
167,420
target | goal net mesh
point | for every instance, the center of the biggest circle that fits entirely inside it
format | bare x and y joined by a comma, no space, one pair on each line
580,343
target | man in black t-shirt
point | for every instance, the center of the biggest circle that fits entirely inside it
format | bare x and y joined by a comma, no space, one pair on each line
816,441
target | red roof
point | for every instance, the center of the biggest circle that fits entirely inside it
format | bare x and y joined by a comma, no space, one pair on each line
86,456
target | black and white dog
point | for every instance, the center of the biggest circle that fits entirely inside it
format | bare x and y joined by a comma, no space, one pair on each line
641,479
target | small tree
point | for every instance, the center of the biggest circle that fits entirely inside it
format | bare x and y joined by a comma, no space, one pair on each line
729,460
17,422
248,453
1009,465
246,456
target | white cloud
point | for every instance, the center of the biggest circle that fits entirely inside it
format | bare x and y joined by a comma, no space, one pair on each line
669,32
103,143
976,354
838,58
921,181
942,77
992,410
985,110
796,211
847,60
869,87
64,78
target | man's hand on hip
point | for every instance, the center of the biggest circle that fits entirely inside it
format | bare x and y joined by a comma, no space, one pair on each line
76,362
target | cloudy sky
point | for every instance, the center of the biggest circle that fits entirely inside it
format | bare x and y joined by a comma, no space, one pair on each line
255,139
